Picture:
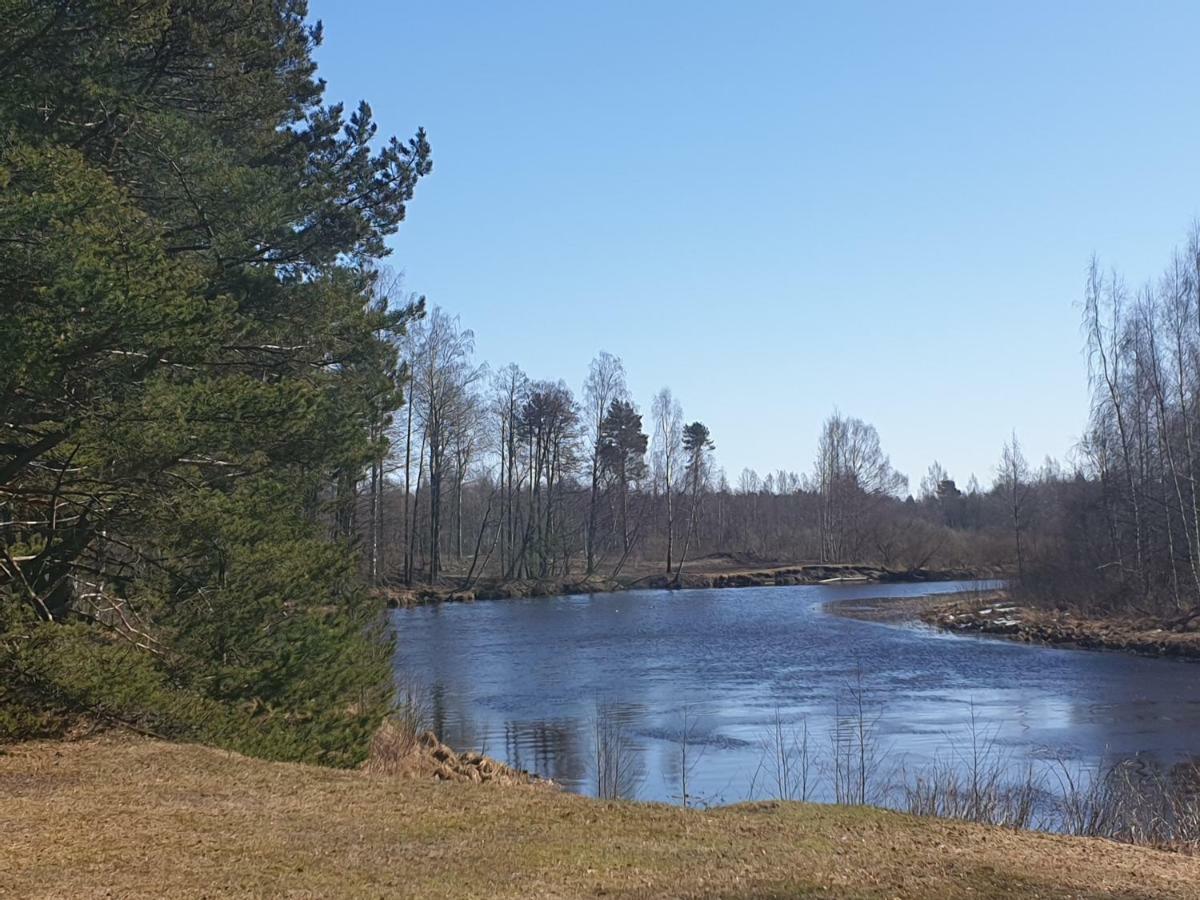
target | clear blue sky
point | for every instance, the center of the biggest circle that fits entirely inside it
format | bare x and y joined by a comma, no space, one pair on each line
779,208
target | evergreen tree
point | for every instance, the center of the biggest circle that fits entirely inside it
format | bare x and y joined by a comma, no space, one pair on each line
697,446
623,456
193,374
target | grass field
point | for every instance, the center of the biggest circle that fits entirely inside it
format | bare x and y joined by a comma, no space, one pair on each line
124,817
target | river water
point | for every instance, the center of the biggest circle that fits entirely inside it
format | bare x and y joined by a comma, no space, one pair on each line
714,682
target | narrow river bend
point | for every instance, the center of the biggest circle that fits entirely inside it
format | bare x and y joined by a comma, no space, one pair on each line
527,681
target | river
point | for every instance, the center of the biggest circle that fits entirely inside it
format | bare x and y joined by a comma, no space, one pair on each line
714,682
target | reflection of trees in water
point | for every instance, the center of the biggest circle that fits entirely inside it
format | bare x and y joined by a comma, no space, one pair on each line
437,710
598,755
450,719
549,749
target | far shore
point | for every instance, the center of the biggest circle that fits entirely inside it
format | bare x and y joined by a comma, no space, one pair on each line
718,571
994,613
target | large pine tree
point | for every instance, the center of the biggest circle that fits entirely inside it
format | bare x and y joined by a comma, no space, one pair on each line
189,366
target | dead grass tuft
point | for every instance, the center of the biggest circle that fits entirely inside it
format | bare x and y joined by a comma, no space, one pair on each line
399,751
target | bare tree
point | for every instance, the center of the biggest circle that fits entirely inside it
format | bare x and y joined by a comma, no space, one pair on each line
466,439
510,390
444,380
1013,481
549,423
605,383
667,445
852,474
1105,355
932,480
386,289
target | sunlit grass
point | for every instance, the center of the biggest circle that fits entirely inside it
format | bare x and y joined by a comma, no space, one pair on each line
134,818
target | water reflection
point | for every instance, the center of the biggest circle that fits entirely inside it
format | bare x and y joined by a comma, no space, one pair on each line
535,682
552,749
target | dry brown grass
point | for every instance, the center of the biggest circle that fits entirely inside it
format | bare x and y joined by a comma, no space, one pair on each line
997,614
398,750
121,817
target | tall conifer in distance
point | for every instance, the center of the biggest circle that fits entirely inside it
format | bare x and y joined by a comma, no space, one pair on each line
623,456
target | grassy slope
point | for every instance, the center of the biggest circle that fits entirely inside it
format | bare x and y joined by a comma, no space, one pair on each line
139,818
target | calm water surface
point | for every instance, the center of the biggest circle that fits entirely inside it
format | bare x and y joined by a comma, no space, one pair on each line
526,680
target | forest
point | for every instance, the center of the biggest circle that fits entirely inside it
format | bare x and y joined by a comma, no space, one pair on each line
227,431
487,473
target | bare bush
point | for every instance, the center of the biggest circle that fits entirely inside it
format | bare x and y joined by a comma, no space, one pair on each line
690,751
618,769
1135,800
786,764
396,739
855,752
975,784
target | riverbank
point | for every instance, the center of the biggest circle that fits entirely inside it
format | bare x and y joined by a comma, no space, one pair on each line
705,573
131,817
995,614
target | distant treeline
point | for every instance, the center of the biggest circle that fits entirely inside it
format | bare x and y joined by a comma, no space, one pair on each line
488,473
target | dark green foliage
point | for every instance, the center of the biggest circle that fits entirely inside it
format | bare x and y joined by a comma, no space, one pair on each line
623,443
696,441
622,455
191,372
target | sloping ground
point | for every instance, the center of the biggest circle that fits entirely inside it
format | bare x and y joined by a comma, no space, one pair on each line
125,818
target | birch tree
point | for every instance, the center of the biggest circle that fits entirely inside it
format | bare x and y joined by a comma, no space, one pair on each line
605,383
667,446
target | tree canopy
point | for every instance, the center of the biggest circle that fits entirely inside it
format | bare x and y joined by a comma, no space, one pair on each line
189,238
